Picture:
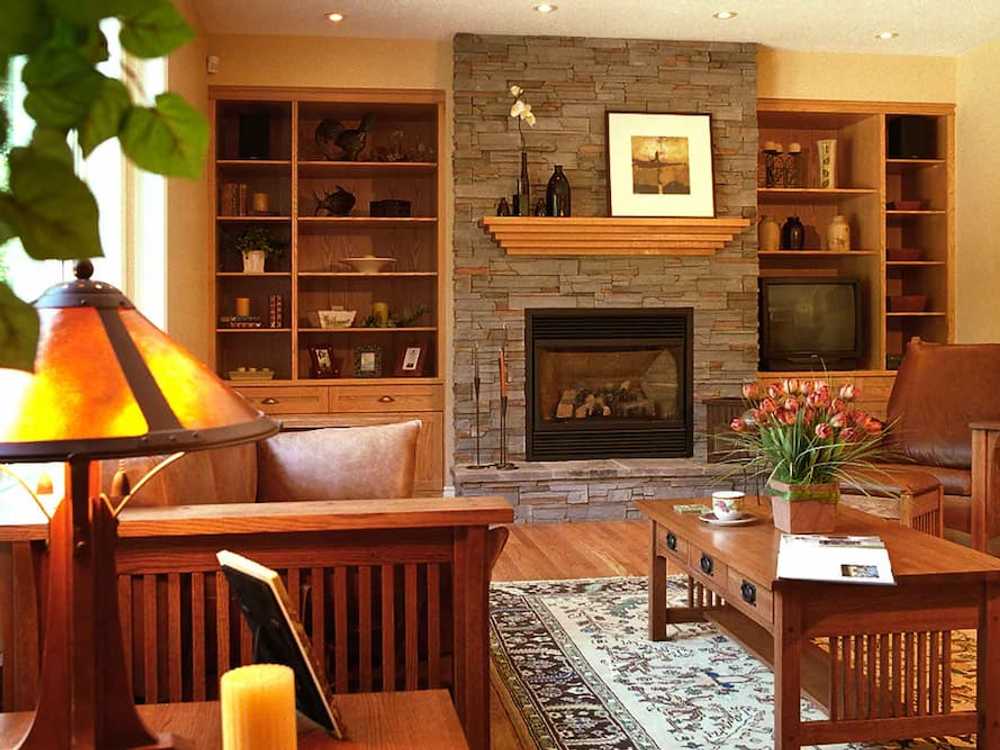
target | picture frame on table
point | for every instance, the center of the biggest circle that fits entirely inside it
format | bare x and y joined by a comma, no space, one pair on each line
660,165
410,361
368,361
323,363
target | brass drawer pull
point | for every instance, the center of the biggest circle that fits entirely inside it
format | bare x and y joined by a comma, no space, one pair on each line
269,401
386,400
707,565
671,541
749,593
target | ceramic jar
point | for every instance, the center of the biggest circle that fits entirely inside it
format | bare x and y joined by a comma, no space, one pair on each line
793,234
768,235
838,235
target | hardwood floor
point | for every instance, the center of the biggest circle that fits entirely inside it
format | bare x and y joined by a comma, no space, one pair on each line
565,550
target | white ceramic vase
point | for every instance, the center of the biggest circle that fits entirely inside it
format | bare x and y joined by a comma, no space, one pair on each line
838,235
253,261
827,152
768,234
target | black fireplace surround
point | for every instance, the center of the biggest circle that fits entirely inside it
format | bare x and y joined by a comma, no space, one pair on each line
609,383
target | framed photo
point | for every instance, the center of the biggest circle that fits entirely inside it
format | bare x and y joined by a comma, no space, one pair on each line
368,362
322,362
660,165
410,361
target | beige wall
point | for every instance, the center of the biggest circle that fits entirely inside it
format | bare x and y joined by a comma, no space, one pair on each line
188,212
978,136
814,75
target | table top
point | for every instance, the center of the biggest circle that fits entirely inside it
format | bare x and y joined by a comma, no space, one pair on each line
753,549
374,721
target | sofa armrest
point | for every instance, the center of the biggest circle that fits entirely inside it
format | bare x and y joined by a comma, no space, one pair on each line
985,483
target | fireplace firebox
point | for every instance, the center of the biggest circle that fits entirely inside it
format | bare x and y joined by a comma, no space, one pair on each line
610,383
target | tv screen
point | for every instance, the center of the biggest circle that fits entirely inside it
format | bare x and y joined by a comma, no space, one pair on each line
810,322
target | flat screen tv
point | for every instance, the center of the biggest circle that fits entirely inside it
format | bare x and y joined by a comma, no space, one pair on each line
810,324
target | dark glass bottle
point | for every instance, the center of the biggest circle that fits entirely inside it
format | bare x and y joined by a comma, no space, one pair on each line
793,234
558,197
524,188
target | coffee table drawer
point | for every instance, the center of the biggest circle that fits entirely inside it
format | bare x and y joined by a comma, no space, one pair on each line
708,566
673,545
750,596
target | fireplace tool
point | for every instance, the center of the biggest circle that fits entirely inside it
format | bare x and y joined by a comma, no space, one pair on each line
503,464
476,383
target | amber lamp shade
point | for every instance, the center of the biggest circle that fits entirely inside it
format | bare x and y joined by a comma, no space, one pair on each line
107,384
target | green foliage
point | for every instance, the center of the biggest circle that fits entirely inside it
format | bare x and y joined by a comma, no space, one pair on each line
257,238
46,205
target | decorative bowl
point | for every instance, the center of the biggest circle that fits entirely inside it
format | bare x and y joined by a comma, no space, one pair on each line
336,318
903,253
369,263
908,303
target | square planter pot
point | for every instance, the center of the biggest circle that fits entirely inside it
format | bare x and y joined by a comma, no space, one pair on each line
805,508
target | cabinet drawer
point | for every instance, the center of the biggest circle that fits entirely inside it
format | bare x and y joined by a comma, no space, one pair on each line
387,398
707,566
288,399
747,594
672,545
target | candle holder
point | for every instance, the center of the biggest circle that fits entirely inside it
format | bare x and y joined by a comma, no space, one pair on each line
504,464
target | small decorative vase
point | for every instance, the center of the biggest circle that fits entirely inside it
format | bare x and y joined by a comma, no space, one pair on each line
805,508
793,234
503,208
768,234
524,188
253,261
827,152
838,235
558,195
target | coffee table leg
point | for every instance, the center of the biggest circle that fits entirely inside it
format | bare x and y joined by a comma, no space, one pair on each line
657,583
988,668
787,670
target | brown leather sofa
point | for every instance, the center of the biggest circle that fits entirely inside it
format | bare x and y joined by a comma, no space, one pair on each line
945,412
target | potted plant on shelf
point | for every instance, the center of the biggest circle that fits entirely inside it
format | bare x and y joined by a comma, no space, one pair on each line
255,244
806,440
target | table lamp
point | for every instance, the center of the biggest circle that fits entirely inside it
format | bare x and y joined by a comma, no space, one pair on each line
107,384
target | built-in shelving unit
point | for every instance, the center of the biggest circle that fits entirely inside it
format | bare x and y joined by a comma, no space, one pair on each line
869,186
400,162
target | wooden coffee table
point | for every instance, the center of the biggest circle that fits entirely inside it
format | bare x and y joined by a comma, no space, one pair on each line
878,659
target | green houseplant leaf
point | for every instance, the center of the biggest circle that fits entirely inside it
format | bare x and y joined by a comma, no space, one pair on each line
62,86
52,144
106,115
52,209
155,30
170,139
18,331
24,26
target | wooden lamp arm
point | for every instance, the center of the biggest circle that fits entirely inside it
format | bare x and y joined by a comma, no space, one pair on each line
985,481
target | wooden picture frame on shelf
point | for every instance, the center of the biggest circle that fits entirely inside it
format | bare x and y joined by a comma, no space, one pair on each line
368,361
323,363
410,361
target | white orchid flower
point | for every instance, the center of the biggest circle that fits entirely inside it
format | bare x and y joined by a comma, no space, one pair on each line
518,109
515,91
530,119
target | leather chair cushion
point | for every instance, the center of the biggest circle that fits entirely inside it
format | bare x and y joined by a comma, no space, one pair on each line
223,475
350,463
888,480
939,390
954,481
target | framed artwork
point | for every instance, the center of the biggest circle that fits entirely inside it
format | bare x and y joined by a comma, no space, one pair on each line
322,362
660,165
368,362
410,361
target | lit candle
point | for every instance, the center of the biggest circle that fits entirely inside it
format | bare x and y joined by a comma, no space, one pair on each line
243,307
258,708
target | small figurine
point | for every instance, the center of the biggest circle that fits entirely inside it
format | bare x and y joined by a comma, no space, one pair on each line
337,203
539,207
331,137
503,208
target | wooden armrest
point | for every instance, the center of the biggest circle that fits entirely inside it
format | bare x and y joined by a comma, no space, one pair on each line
985,483
986,426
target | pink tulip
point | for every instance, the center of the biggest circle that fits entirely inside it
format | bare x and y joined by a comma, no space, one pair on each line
737,425
768,406
848,392
872,426
774,391
824,431
791,405
791,386
839,420
849,435
809,417
837,405
752,391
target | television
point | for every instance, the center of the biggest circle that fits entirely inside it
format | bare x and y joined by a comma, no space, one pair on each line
811,323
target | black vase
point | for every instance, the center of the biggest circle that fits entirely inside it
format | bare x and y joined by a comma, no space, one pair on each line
524,189
793,234
558,197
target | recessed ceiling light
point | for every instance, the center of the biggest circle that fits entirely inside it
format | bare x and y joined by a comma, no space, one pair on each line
725,15
885,36
546,7
335,17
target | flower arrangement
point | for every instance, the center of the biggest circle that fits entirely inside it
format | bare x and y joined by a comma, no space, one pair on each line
256,238
521,111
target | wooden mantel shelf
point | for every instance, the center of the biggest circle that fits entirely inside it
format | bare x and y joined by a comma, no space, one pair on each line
595,235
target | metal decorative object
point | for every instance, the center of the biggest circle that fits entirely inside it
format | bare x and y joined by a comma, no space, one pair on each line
339,202
504,464
339,143
476,383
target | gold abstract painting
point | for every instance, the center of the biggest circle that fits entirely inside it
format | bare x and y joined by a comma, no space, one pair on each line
660,165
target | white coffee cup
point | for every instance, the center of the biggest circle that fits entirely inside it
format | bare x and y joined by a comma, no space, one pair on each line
727,504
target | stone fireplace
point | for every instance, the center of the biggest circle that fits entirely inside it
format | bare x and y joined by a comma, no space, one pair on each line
609,383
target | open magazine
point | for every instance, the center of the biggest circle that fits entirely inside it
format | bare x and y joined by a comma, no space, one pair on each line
839,559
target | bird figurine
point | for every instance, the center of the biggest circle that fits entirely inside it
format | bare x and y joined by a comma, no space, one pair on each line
343,144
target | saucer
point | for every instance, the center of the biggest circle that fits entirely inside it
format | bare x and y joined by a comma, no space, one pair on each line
742,520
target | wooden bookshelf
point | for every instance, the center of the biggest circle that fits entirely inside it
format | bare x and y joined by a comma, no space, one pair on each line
867,182
312,275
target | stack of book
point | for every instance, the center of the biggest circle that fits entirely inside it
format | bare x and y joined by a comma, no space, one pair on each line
233,201
275,311
241,321
840,559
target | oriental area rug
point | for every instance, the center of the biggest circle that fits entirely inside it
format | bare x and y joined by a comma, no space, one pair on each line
575,671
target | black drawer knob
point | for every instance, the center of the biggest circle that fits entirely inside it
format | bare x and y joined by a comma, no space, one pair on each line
749,592
671,541
707,564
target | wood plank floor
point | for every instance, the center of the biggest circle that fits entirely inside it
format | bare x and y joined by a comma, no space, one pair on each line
565,550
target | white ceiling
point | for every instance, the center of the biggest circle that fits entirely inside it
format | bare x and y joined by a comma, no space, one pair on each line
926,27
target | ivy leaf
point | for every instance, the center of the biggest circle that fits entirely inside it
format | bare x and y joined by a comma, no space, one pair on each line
62,85
95,46
155,30
52,210
52,144
18,331
106,116
24,27
170,139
